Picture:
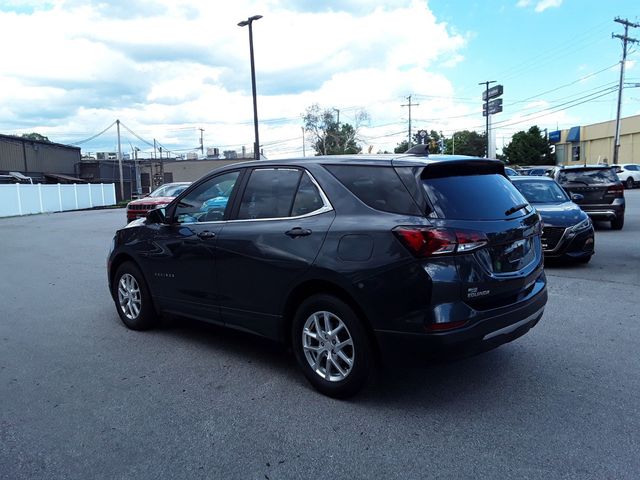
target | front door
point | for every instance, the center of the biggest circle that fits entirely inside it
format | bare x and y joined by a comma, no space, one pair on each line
185,255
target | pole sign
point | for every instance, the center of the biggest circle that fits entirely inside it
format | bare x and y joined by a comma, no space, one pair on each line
495,106
493,92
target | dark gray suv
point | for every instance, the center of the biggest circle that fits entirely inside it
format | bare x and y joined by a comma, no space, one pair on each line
347,259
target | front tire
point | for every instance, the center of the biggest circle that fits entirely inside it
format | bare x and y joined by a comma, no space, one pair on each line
331,346
132,298
629,183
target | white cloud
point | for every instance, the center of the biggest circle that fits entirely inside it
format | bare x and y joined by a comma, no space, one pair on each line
540,5
165,68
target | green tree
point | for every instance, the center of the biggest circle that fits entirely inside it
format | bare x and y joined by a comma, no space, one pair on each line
329,136
35,136
466,143
529,148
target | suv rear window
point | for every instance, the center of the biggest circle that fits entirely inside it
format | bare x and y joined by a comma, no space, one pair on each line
473,197
587,175
378,187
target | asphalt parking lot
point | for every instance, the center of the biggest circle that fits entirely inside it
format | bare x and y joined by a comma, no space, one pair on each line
83,397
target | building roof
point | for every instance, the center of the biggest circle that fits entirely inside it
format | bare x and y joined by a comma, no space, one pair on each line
21,139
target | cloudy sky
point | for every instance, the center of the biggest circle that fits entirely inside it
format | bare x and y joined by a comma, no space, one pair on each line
167,68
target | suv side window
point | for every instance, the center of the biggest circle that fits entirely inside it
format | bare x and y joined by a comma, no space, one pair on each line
269,193
378,187
208,201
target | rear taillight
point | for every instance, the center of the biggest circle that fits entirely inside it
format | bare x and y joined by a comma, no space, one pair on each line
430,241
616,190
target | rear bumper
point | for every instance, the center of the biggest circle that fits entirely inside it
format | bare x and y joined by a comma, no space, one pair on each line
605,212
490,329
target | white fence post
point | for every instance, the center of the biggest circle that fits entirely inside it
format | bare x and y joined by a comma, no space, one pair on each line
19,199
60,197
75,192
90,197
40,197
102,190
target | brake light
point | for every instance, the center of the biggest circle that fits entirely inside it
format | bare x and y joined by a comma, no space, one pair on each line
616,190
430,241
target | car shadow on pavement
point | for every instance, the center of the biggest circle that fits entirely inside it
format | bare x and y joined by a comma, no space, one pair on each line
428,383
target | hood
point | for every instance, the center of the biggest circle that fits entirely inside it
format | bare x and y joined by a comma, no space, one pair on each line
560,214
151,201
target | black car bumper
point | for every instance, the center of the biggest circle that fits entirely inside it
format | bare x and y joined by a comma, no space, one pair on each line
605,211
492,329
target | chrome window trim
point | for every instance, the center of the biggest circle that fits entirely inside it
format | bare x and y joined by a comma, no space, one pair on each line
326,204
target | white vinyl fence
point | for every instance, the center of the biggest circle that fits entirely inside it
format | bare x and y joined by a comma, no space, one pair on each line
25,199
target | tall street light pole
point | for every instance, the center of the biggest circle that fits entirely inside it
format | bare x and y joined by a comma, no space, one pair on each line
244,23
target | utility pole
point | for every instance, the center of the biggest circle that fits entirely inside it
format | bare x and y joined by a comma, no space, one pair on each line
625,41
120,162
201,142
161,168
409,105
486,104
304,153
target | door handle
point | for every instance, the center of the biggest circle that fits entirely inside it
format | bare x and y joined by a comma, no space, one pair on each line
206,235
298,232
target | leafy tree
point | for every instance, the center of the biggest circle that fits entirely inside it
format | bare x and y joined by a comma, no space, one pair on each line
330,137
466,143
35,136
529,148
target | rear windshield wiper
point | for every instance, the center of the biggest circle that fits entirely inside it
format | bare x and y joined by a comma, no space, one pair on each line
515,208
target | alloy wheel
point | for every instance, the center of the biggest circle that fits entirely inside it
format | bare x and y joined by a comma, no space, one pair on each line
129,297
328,346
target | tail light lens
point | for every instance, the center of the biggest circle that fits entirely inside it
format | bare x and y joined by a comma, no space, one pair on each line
429,241
616,190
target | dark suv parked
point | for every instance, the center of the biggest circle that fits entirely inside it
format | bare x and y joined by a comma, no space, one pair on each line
596,189
347,259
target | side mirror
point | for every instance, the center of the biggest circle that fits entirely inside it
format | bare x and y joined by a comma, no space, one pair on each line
577,197
157,215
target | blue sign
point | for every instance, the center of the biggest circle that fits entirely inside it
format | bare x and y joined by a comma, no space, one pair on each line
554,137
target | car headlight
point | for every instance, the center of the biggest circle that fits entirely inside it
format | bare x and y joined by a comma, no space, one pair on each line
583,225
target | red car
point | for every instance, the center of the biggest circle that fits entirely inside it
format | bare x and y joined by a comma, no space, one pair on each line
160,197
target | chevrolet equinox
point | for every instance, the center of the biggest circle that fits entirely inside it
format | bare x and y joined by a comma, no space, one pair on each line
346,259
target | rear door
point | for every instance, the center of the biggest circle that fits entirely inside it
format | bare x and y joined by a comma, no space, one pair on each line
476,202
273,238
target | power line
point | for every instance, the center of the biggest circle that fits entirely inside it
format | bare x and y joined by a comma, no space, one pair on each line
94,136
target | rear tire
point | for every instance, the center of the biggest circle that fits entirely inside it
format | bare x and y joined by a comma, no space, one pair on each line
132,298
629,183
331,346
618,223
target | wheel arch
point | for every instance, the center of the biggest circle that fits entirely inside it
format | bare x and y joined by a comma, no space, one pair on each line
317,286
116,262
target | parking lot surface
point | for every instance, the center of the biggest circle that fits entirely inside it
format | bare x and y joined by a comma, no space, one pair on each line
83,397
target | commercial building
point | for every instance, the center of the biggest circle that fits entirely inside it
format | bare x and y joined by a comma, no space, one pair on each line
592,144
43,162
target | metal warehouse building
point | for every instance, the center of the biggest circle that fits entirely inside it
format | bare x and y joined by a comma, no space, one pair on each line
44,162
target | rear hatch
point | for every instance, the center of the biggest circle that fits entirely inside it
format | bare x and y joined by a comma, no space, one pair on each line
597,185
498,254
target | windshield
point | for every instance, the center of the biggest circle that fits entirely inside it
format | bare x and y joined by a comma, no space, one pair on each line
168,190
588,176
540,191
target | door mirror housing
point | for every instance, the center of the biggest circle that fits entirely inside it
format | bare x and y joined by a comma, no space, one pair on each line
157,215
